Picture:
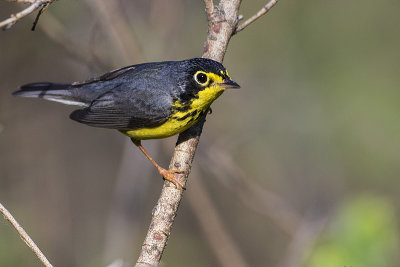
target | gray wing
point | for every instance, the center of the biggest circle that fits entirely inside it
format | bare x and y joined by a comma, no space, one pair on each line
126,108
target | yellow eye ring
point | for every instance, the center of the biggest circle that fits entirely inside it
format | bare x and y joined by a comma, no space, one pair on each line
201,78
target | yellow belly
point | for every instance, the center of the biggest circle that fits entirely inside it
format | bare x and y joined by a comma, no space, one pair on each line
171,127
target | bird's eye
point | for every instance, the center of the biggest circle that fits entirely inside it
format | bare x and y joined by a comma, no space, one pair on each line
201,78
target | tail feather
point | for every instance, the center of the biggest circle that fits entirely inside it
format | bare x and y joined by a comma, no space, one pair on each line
50,91
44,86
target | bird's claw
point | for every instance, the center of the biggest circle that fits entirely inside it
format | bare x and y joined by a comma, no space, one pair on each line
169,176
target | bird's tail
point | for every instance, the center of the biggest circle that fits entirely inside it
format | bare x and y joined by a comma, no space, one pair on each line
57,92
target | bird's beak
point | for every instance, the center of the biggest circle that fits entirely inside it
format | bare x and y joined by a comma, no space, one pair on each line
228,83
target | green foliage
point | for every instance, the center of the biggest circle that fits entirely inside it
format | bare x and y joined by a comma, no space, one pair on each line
363,233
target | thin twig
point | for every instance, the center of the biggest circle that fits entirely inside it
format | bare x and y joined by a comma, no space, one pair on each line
44,7
165,211
8,23
262,11
24,236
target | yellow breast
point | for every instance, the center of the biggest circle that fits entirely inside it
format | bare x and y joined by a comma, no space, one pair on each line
179,121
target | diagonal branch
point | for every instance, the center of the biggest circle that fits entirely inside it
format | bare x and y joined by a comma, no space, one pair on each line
8,23
24,236
262,11
220,30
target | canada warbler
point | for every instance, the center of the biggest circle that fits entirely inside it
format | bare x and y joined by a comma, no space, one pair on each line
144,101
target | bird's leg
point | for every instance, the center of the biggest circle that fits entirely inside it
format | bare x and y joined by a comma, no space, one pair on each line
167,174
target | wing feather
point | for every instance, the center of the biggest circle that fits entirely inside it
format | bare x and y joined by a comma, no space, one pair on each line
126,108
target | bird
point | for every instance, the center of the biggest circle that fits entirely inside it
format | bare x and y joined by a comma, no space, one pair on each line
144,101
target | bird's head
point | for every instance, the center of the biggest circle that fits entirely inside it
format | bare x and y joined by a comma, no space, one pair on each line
205,79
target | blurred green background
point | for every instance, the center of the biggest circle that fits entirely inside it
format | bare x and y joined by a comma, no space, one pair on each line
300,167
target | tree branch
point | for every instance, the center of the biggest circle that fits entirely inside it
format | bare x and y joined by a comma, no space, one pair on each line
262,11
8,23
209,8
8,216
220,28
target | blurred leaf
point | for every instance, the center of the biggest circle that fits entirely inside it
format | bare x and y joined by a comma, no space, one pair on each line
364,233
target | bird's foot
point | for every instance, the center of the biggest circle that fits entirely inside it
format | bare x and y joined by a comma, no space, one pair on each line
169,176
